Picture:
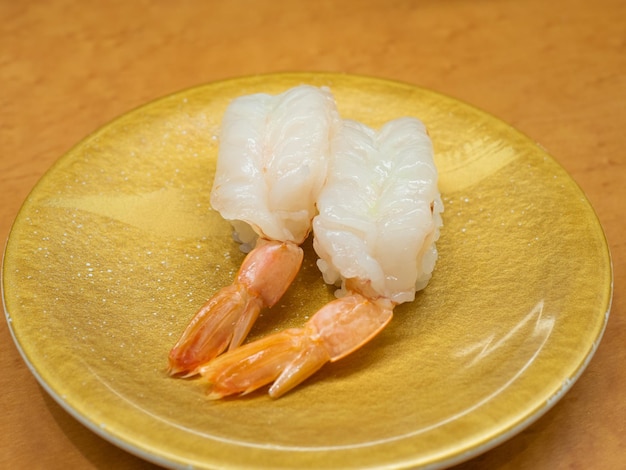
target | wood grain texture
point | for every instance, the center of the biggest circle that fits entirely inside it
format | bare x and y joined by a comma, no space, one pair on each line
555,70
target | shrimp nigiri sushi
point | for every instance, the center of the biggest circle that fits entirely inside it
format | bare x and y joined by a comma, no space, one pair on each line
272,163
379,218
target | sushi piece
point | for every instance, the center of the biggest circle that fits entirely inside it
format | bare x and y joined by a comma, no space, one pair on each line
379,218
380,212
272,164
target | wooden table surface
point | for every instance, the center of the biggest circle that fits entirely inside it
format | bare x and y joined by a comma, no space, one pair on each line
555,70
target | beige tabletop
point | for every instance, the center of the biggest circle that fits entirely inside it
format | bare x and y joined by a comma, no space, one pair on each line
555,70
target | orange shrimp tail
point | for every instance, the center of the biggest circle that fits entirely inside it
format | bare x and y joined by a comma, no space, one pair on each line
226,319
285,358
291,356
231,311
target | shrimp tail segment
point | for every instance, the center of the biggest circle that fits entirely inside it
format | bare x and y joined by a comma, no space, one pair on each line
225,320
289,357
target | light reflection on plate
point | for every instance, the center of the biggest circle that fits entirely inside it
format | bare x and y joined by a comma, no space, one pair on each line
117,246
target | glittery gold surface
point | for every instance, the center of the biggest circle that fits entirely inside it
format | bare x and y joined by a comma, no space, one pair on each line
117,246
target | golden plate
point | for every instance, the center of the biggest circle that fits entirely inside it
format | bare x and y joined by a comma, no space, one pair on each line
117,246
